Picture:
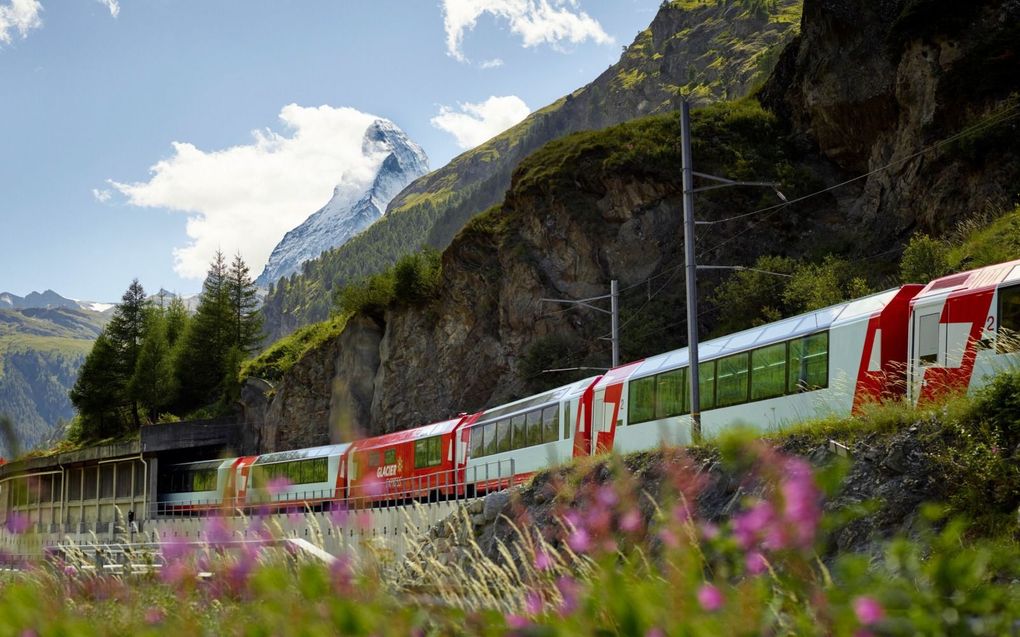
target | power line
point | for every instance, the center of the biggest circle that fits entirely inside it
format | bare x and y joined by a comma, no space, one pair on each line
992,120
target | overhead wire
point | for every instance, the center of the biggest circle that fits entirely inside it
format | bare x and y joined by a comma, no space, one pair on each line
992,120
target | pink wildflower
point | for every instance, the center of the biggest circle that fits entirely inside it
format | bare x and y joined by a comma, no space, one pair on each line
542,561
154,615
277,486
569,590
709,531
342,574
655,632
607,497
750,525
801,501
868,610
517,622
338,514
579,541
669,538
710,598
217,531
17,523
630,522
533,603
755,563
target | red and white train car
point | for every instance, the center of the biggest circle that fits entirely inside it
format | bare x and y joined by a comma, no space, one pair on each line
964,329
830,361
509,443
407,464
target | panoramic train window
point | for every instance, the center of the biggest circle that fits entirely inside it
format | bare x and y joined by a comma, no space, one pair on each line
768,372
809,362
390,457
670,390
1008,339
476,442
503,435
731,382
568,422
706,385
490,438
550,424
520,431
641,407
534,428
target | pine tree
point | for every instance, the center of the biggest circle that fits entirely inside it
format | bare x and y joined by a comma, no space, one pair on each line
207,341
176,316
125,332
152,384
247,320
98,392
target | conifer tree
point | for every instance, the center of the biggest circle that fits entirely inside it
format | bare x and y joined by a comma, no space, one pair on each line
246,318
152,384
125,333
176,317
208,339
98,391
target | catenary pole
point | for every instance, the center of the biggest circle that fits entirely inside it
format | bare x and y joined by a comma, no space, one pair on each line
614,296
691,268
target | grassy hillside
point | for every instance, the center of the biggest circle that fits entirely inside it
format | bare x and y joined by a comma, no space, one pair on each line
41,351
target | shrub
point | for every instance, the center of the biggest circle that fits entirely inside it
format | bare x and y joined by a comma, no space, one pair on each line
924,259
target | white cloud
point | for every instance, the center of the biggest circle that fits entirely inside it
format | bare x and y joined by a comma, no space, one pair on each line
494,63
245,198
477,123
535,21
112,5
19,15
102,196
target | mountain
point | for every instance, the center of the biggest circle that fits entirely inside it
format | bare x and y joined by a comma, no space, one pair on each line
354,206
46,299
880,121
41,350
711,51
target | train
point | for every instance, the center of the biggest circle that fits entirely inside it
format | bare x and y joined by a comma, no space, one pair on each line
915,342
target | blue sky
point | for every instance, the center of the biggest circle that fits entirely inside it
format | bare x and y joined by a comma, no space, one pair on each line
90,100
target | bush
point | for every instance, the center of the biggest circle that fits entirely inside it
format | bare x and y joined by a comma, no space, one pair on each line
924,259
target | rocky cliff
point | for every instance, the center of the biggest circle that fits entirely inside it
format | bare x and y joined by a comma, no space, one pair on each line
863,114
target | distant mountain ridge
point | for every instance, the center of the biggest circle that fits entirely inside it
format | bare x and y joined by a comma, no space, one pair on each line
711,51
353,207
46,299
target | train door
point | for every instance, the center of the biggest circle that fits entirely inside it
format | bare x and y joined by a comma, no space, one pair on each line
928,345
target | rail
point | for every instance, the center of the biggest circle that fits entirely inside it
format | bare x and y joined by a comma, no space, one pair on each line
440,486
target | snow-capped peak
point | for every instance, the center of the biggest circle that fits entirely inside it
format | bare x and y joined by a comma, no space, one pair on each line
356,203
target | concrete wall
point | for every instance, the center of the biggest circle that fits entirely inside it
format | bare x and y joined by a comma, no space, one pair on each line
389,529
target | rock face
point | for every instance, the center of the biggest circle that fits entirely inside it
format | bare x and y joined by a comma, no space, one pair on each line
865,89
354,206
886,97
325,398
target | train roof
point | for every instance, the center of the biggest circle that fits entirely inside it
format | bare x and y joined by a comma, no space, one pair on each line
408,435
219,463
977,279
801,325
565,392
303,454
